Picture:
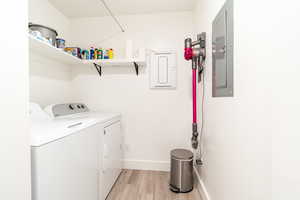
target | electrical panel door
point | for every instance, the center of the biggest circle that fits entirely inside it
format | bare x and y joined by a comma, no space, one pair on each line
222,52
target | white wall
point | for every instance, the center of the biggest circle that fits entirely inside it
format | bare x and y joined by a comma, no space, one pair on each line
14,130
50,81
284,65
241,132
237,142
44,13
154,121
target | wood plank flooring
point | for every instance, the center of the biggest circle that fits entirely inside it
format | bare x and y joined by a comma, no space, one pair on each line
146,185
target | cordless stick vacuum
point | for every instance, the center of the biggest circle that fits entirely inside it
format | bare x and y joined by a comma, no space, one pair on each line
181,174
196,52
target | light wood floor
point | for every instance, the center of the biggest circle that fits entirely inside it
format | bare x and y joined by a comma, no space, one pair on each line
146,185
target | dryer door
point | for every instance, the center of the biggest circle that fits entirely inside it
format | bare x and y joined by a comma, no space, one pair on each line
112,156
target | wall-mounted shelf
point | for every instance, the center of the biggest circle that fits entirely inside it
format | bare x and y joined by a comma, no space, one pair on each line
51,52
116,62
58,55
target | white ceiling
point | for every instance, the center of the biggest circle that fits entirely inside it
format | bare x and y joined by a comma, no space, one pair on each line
94,8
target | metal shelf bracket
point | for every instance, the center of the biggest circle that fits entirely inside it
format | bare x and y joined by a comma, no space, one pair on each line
98,68
136,66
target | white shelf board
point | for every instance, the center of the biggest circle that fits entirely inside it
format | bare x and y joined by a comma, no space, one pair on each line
116,62
51,52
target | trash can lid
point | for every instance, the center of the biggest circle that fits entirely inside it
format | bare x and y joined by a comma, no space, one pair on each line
181,154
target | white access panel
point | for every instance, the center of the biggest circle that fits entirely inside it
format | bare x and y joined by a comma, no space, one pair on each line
112,156
67,168
163,69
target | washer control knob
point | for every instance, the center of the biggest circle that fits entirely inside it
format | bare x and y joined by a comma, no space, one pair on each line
78,106
71,107
82,106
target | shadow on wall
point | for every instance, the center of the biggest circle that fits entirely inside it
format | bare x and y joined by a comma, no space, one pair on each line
45,68
108,71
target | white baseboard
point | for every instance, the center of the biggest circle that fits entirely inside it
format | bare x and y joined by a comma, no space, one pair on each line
147,165
200,186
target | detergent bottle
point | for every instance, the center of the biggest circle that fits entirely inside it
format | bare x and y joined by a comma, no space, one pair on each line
100,54
105,54
96,54
111,54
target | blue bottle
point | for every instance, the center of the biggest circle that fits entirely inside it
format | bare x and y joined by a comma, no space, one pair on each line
92,53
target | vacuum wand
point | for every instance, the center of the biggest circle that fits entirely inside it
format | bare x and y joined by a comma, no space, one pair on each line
195,128
197,56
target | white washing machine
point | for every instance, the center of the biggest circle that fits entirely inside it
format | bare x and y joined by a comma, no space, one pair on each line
111,140
76,153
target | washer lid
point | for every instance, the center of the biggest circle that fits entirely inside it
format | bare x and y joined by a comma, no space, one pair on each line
181,154
49,131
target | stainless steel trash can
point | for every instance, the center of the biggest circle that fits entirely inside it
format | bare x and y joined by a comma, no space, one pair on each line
181,176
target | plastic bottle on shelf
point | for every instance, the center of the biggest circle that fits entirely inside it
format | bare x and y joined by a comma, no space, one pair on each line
92,53
110,53
106,54
103,54
84,54
100,53
87,54
95,54
80,53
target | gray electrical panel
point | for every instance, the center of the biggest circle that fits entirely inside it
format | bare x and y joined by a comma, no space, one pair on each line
222,52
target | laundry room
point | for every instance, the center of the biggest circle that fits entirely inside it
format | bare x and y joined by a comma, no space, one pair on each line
140,99
148,112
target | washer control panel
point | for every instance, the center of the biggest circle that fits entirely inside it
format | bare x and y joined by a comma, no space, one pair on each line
59,110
